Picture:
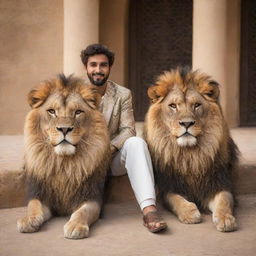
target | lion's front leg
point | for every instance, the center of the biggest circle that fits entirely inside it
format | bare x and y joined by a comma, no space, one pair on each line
186,211
78,225
37,214
221,207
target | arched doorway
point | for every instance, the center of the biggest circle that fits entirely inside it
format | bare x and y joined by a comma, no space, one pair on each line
160,38
248,64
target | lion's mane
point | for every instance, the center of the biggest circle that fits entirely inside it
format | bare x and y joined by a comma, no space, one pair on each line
197,172
63,182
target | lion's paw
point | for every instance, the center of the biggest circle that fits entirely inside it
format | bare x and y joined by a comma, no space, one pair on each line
74,230
190,214
29,224
225,223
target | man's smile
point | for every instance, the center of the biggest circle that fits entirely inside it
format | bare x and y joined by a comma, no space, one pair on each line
98,75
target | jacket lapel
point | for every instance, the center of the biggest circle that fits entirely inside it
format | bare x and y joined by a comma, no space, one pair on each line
109,101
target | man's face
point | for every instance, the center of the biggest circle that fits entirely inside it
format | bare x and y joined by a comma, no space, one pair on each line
98,69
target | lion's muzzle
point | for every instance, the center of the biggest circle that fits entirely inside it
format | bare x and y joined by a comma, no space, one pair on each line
65,146
65,130
187,124
186,139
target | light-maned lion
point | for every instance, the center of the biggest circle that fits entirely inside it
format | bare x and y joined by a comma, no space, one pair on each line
193,154
66,155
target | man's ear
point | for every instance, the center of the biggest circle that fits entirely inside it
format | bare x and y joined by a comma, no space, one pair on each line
38,95
91,96
156,93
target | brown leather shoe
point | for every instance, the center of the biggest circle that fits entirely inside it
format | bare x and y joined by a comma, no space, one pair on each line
151,219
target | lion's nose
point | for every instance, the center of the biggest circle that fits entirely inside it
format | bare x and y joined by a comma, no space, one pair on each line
187,124
64,130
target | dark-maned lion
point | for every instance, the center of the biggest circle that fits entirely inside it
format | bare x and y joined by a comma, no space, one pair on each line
66,155
193,154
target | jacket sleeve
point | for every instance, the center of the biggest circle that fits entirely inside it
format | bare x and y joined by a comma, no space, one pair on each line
127,123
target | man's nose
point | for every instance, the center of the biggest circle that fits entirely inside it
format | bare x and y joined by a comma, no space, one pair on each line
98,69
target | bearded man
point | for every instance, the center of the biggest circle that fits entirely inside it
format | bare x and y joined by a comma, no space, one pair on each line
129,153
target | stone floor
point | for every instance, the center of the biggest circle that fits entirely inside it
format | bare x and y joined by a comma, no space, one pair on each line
120,232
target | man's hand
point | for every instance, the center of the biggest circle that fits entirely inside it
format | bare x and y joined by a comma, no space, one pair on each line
113,150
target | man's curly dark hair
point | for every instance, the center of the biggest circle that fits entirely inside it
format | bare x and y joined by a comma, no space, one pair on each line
94,49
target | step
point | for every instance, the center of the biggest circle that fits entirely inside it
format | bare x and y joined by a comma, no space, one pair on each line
120,232
12,188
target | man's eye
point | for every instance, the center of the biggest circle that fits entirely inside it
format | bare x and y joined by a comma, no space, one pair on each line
78,112
51,111
104,64
173,106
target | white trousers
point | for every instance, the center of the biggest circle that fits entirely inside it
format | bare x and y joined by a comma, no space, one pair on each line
134,159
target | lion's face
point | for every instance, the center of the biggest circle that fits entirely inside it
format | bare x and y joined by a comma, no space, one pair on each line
63,115
63,121
184,107
184,113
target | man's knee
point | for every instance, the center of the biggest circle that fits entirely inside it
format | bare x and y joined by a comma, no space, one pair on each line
135,142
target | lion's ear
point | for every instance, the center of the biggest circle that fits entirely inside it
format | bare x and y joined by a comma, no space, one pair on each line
156,93
38,95
91,96
211,90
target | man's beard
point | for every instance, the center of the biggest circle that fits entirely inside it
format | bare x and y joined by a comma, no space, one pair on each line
98,82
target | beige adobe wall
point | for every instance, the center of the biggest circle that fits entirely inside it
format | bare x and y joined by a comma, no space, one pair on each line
31,50
114,34
216,49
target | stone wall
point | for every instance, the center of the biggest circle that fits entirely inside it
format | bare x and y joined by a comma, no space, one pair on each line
31,50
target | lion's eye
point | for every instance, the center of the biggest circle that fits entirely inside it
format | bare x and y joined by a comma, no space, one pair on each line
173,106
210,93
197,105
51,111
78,112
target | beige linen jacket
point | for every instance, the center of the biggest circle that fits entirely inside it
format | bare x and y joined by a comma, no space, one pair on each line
116,107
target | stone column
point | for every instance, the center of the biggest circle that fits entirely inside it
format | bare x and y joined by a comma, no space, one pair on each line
216,42
114,34
81,27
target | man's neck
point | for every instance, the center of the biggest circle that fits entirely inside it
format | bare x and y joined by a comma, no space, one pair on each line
102,89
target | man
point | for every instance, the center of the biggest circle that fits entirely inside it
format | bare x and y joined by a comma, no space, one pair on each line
129,153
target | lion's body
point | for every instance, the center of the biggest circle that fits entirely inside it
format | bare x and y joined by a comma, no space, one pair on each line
197,187
192,152
62,190
199,172
67,153
64,182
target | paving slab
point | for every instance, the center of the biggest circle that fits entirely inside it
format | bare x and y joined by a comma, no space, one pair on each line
120,232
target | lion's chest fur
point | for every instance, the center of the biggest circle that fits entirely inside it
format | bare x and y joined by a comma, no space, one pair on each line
62,194
64,185
194,174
